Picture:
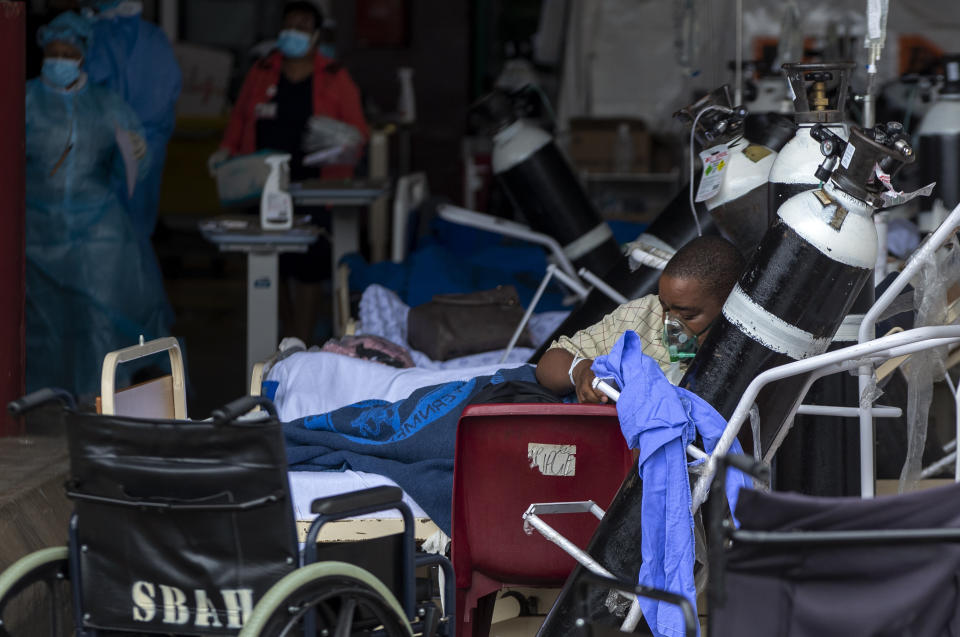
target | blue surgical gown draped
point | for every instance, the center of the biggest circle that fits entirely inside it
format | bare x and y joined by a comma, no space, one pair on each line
90,287
134,58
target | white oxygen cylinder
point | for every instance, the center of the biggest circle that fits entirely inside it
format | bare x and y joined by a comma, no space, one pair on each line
276,204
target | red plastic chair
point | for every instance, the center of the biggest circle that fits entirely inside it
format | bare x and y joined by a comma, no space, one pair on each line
508,457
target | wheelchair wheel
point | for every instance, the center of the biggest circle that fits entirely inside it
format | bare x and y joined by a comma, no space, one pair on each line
341,599
35,595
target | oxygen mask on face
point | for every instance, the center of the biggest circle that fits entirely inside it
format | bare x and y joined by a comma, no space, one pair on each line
681,342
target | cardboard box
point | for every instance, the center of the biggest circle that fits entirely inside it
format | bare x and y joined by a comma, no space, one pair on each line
593,143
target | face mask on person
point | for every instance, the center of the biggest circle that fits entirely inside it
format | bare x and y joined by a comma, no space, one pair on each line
60,72
681,342
293,43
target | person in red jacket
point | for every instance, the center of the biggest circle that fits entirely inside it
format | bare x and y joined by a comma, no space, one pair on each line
285,95
285,89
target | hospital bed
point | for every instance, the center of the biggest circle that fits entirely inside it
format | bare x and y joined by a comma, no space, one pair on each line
165,397
506,431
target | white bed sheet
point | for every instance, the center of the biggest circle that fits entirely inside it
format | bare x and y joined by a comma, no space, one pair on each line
311,383
307,486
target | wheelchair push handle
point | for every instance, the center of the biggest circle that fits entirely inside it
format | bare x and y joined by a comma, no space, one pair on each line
31,401
234,409
748,465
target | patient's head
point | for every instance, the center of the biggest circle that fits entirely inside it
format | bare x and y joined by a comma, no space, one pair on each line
696,281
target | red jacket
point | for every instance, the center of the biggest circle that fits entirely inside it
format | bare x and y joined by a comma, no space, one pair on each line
334,95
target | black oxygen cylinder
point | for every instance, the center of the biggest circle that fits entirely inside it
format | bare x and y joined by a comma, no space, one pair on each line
819,94
542,185
939,147
795,293
787,305
673,226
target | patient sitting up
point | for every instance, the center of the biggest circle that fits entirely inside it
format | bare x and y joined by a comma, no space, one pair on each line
671,325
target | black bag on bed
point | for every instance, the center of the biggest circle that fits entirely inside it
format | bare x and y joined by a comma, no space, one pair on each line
453,325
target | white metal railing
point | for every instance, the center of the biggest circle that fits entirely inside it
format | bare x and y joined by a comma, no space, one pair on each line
867,331
562,268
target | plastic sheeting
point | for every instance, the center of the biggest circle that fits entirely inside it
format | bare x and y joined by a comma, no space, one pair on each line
923,368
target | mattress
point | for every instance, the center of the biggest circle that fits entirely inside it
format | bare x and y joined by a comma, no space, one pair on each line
307,486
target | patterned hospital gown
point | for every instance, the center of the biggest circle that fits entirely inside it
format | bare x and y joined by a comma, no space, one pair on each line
644,316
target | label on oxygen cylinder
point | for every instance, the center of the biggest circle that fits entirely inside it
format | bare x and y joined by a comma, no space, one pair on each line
715,162
756,152
847,156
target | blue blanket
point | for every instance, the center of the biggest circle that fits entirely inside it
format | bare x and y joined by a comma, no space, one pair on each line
661,420
410,441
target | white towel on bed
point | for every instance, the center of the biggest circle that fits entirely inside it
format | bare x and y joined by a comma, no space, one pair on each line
310,383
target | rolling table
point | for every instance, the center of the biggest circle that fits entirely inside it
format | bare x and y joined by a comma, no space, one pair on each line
347,199
244,234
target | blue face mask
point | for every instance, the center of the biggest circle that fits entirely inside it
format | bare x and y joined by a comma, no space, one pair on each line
60,72
293,43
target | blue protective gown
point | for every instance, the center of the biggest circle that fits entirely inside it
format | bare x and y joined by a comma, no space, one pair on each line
90,287
134,58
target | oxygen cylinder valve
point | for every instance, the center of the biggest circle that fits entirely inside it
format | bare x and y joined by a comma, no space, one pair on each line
869,159
819,91
831,146
714,125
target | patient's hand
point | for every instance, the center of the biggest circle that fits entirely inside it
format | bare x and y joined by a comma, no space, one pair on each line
583,377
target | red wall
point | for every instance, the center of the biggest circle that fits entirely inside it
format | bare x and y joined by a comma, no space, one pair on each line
12,78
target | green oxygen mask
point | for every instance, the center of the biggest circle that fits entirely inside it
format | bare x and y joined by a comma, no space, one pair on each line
681,342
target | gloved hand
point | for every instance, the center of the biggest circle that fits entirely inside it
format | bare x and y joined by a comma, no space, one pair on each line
326,132
139,145
218,157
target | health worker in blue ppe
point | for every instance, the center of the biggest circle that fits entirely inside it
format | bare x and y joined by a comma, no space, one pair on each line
134,58
90,289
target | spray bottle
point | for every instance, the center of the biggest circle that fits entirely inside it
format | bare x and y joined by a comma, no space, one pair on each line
276,205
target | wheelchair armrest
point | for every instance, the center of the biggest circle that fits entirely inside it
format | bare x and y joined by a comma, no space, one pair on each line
746,464
359,503
375,498
233,410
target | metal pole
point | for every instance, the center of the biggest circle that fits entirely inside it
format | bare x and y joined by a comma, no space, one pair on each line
170,19
738,81
551,269
599,283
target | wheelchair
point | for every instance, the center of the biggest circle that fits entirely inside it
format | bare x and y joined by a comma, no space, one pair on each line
805,565
186,528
